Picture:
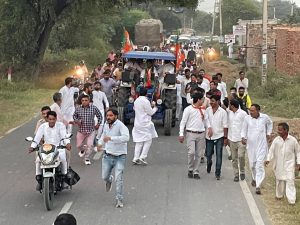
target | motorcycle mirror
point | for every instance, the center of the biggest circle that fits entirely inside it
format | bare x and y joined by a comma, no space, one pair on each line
29,139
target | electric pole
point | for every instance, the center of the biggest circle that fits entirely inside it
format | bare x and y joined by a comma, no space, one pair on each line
221,26
213,22
292,8
264,43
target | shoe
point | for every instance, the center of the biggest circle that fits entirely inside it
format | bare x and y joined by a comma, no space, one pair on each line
119,204
208,168
236,179
242,176
81,154
143,161
95,149
87,162
196,176
136,162
190,174
39,179
230,157
253,183
202,160
218,177
108,184
257,191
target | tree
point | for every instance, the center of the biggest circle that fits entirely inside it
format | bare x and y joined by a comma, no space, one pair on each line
202,22
26,25
233,10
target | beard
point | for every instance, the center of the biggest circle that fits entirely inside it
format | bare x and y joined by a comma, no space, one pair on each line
109,121
106,78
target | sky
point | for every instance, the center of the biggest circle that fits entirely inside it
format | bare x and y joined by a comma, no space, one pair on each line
208,5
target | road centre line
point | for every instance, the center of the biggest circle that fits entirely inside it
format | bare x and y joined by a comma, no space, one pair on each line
251,204
65,209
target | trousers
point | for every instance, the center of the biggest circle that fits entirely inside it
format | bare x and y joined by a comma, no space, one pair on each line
89,138
141,149
238,151
290,190
196,146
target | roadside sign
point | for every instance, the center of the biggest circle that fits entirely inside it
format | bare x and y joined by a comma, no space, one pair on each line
229,37
239,30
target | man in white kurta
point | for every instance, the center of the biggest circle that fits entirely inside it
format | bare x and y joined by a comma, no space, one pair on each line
67,104
101,102
143,131
256,131
284,153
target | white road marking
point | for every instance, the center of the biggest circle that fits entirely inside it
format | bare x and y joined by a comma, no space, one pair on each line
252,204
98,155
65,209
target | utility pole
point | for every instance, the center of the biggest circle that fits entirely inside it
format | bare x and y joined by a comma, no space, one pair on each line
264,43
213,22
292,8
221,26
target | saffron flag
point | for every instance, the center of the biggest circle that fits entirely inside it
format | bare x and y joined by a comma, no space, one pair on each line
179,54
127,44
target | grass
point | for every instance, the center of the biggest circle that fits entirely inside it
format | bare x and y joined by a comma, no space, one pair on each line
19,102
280,97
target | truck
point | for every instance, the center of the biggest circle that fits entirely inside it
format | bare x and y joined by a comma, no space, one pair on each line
149,32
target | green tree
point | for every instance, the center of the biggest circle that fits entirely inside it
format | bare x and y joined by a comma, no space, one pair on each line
203,22
233,10
26,25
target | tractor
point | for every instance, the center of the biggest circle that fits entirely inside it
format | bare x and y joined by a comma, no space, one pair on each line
163,91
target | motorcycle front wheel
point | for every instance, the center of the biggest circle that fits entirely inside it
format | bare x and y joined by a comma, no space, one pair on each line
48,193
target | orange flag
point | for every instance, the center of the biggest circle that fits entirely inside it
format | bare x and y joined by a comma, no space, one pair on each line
127,44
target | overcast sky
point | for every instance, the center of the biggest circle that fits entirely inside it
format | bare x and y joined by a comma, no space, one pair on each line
208,5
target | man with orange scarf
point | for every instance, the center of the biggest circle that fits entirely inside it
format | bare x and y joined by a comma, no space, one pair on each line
146,74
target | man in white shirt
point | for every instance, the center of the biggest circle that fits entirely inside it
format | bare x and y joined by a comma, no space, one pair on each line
67,104
101,102
256,132
221,86
178,99
284,153
143,130
184,82
56,108
242,82
236,118
219,123
52,132
194,122
230,49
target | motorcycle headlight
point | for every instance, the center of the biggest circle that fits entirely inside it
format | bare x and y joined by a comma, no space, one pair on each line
172,49
159,101
198,55
131,100
47,158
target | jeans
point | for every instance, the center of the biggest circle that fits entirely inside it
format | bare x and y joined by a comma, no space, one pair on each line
118,162
210,146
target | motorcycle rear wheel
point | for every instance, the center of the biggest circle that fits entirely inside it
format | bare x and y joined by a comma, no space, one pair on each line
48,193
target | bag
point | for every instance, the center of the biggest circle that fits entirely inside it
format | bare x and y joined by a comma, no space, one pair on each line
72,177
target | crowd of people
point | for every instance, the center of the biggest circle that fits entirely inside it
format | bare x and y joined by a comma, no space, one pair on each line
210,118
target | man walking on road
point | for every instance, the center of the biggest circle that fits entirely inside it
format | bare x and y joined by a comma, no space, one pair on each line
242,82
114,143
143,130
238,150
219,123
194,121
285,153
256,132
84,117
67,105
108,84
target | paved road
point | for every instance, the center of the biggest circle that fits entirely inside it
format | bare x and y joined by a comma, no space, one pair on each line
158,194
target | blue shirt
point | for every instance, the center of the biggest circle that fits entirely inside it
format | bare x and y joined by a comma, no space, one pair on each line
119,134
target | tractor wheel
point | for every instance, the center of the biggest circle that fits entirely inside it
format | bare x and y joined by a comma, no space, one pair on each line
170,103
123,96
168,122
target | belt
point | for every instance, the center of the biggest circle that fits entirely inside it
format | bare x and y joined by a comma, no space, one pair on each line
195,132
115,156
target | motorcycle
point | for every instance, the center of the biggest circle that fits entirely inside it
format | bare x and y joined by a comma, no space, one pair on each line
53,180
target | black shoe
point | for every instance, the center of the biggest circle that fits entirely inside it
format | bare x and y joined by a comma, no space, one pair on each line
218,177
253,183
230,157
236,179
190,174
242,176
257,191
208,168
202,160
196,176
